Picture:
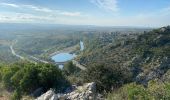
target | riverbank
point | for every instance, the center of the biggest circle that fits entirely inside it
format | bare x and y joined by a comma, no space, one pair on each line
65,55
65,50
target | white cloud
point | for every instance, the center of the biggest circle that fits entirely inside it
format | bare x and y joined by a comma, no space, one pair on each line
147,20
32,18
44,10
24,17
47,10
110,5
41,9
151,19
46,15
71,13
9,4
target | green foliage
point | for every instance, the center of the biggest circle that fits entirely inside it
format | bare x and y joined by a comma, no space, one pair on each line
75,79
155,42
130,92
137,92
16,95
6,55
156,90
27,77
69,68
6,74
72,73
106,77
159,90
0,73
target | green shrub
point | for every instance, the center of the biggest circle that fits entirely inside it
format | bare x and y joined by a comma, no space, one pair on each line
106,77
130,92
16,95
72,73
159,90
69,68
28,77
156,90
6,73
137,92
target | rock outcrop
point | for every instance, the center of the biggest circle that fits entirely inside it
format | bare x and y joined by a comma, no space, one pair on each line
157,71
85,92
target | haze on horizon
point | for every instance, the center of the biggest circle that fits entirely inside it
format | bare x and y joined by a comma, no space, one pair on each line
148,13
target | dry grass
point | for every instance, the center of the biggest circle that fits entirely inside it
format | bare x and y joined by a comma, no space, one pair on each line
4,95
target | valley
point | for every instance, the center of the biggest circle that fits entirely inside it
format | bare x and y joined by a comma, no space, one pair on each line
84,50
106,60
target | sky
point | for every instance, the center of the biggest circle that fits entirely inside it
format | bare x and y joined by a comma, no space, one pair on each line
148,13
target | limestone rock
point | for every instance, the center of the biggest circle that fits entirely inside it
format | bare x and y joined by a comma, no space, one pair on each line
47,96
85,92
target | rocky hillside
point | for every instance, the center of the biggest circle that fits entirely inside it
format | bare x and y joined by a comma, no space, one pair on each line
118,67
147,55
85,92
119,63
153,50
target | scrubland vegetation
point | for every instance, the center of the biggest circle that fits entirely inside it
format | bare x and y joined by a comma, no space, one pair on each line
133,66
25,78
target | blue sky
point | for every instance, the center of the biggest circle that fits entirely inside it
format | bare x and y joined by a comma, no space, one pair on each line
149,13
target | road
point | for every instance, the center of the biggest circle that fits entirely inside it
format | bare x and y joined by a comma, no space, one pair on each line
14,53
39,60
77,64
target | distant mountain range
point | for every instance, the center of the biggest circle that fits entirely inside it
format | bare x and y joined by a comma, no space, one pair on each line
27,26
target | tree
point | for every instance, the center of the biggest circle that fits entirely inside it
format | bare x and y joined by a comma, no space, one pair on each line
69,68
26,78
6,73
106,77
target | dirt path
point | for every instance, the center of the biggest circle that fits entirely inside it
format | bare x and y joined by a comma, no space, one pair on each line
77,64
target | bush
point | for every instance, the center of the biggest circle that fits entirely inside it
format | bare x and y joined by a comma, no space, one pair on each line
0,74
137,92
16,95
70,69
6,74
72,73
156,90
159,90
106,77
130,92
28,77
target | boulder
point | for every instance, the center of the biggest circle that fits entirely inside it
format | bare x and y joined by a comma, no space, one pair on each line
85,92
47,96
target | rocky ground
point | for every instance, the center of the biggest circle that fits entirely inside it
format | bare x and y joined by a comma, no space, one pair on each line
85,92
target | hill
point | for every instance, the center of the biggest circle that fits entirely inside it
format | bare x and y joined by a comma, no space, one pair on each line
123,66
138,59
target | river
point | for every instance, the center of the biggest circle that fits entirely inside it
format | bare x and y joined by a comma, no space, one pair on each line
65,56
